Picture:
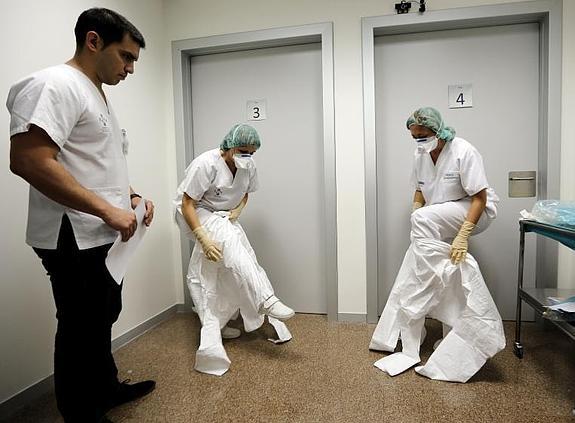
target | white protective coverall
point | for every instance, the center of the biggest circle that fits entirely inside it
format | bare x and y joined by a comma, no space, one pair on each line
428,284
219,290
237,282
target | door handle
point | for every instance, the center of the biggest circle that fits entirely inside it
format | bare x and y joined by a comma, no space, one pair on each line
524,178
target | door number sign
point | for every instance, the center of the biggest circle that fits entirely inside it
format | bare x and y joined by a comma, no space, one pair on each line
460,96
256,109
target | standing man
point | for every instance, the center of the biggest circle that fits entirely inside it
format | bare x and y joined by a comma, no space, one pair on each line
67,144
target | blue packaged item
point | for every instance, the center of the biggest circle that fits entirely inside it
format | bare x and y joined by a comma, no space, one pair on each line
555,212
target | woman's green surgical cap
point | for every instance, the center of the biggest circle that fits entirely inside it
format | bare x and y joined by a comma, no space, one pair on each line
431,118
239,136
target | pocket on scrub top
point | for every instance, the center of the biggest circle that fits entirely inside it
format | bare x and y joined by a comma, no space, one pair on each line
452,176
452,188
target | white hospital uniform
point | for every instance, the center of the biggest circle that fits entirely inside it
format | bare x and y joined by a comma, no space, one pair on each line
447,187
211,183
65,103
428,284
235,283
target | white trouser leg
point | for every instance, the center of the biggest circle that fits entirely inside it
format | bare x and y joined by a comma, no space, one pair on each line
211,357
417,292
248,275
386,333
477,333
238,256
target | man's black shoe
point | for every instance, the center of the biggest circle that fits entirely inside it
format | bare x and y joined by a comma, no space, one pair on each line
129,392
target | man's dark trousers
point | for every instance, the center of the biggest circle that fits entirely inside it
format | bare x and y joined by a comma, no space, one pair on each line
88,302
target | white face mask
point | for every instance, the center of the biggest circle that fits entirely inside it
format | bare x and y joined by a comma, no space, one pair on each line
244,161
426,145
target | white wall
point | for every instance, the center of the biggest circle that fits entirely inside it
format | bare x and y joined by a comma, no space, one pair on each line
38,34
201,18
34,35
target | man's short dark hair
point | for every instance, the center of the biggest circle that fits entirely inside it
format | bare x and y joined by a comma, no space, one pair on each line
109,25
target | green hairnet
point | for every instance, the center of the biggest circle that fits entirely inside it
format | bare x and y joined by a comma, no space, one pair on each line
239,136
431,118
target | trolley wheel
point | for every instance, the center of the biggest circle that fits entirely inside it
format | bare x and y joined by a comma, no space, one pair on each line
518,350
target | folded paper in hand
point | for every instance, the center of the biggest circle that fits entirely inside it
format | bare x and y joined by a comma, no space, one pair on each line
120,253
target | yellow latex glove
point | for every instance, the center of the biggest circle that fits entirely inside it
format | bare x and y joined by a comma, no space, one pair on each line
459,244
416,205
235,213
210,248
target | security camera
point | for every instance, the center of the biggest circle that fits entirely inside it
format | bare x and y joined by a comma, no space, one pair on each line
405,5
402,7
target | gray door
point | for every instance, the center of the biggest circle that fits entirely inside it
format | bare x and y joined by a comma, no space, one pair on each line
283,219
414,70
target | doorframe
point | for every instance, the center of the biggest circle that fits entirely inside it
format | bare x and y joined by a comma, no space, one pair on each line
548,14
184,50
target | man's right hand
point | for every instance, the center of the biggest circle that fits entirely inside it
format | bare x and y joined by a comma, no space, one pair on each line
121,220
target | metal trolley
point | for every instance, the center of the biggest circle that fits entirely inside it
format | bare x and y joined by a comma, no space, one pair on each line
538,297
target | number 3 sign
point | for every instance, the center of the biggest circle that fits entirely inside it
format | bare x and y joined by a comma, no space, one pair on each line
256,109
460,96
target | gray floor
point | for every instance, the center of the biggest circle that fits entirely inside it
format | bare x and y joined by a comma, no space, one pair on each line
325,374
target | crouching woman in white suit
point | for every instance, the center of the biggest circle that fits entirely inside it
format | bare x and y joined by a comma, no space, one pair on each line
438,278
224,276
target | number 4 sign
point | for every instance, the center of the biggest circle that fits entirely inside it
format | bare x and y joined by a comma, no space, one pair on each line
460,96
256,109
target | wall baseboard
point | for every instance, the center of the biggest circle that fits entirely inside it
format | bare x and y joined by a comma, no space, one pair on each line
144,327
25,397
351,317
12,405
